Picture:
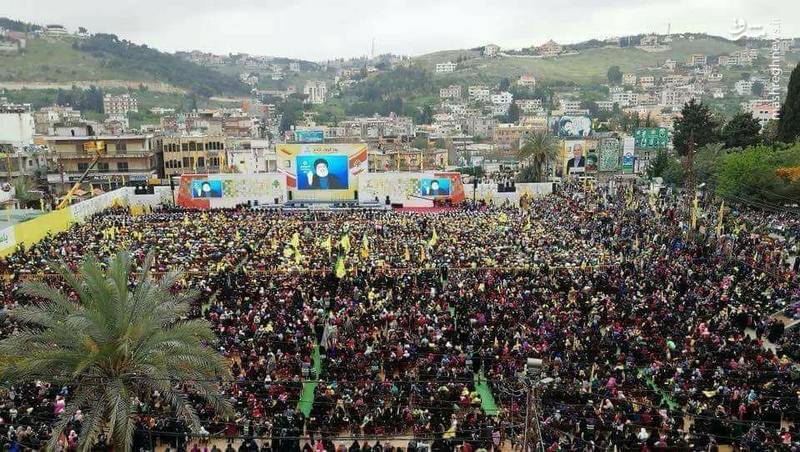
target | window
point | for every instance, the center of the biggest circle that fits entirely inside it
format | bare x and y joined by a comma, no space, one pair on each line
83,166
201,162
102,167
184,146
192,146
186,162
122,146
122,167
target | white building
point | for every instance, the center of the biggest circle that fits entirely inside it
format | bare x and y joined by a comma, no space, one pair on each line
714,77
502,98
294,66
647,81
625,98
529,105
604,105
670,64
479,93
764,111
451,92
316,90
743,87
442,68
119,105
629,79
16,127
527,80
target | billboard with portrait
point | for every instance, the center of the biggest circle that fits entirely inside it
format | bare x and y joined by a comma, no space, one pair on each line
571,126
573,158
322,172
204,188
435,187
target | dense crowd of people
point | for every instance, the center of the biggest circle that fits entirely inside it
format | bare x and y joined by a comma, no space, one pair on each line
367,325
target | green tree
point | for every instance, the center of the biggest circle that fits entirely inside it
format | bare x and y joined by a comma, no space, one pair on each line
112,344
425,115
505,83
512,116
789,122
749,176
695,128
659,164
741,131
538,148
758,89
614,75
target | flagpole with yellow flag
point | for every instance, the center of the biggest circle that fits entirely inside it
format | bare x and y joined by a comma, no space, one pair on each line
720,216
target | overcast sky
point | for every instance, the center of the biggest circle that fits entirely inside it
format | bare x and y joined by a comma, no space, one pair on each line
323,29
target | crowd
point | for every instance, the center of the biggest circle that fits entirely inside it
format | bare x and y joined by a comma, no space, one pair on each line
372,324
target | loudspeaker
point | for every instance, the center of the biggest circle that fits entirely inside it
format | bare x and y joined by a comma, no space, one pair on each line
276,200
290,194
475,183
355,195
388,201
255,202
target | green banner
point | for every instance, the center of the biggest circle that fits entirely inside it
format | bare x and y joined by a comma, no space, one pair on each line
651,137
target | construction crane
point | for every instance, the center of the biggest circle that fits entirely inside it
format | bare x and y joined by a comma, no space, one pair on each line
99,149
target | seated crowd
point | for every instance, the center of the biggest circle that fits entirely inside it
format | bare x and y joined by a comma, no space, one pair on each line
375,325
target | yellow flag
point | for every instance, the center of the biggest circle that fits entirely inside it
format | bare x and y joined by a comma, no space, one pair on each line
295,240
364,247
297,257
503,217
422,256
527,226
326,245
407,254
720,215
434,238
340,271
287,252
186,221
345,243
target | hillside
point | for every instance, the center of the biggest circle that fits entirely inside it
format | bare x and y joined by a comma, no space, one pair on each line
104,60
589,66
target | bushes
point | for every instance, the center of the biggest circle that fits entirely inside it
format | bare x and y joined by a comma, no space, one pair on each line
751,175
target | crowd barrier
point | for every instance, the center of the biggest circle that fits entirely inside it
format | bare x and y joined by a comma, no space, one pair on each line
31,231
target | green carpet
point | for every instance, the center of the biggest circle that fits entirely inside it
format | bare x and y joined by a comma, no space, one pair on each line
665,397
487,399
306,401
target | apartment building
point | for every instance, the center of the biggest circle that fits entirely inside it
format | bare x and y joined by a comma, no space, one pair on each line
194,153
451,92
316,90
119,105
127,157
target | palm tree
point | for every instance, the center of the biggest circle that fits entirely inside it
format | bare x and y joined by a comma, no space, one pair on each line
539,147
113,344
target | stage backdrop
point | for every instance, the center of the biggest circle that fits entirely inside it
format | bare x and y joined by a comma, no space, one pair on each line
411,189
208,191
322,172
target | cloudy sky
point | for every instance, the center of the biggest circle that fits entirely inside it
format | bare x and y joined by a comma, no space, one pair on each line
323,29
